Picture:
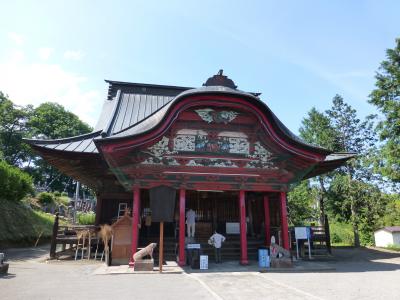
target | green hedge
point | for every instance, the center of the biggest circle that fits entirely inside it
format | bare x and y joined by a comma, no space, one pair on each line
14,183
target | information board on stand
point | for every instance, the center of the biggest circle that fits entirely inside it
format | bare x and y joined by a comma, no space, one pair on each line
303,233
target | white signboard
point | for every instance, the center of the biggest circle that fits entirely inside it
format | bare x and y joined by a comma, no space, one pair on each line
193,246
300,233
232,228
203,262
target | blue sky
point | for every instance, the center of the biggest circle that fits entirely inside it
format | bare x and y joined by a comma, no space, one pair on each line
299,54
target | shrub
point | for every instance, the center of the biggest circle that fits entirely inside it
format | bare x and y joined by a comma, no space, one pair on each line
14,183
46,198
335,238
341,234
86,218
63,200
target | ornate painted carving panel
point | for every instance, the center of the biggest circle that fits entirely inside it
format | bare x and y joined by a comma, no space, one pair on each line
183,144
262,158
210,146
211,162
157,154
211,115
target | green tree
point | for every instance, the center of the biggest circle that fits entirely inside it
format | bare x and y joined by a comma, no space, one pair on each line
52,121
301,203
317,129
13,127
386,96
391,215
358,137
48,121
346,194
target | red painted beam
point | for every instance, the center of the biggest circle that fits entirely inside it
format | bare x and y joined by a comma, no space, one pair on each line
135,221
243,237
267,221
182,200
284,221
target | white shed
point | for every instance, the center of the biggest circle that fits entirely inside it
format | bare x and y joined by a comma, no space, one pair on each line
387,236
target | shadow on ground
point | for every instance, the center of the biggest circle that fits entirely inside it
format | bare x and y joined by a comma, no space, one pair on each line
343,260
23,254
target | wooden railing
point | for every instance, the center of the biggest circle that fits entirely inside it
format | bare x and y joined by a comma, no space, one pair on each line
67,235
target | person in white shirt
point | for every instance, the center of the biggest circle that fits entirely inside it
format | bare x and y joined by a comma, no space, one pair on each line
216,240
190,222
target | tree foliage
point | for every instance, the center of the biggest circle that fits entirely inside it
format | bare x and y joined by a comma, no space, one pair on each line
349,194
317,129
301,204
386,96
346,195
47,121
13,127
51,120
14,183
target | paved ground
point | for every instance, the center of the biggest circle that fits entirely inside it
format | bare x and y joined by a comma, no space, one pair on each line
359,274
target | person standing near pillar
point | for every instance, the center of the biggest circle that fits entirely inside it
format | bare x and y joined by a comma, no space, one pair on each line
191,223
216,240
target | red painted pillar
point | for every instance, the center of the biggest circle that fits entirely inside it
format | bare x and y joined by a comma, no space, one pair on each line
284,221
135,220
182,200
267,221
243,236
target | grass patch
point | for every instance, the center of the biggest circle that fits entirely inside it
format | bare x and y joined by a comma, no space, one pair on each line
395,247
341,234
21,225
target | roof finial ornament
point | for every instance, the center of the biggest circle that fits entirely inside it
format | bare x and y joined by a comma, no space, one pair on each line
220,80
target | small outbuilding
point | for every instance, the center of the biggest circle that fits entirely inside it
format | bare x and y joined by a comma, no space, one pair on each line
386,236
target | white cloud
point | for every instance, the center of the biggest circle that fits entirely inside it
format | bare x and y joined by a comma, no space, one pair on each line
17,56
45,52
18,39
35,83
73,54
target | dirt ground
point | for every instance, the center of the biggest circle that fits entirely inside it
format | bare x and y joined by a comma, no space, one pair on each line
350,274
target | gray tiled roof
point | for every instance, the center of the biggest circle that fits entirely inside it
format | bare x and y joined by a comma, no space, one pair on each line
132,108
82,143
126,105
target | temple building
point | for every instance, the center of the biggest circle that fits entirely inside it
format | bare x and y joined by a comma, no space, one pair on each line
223,150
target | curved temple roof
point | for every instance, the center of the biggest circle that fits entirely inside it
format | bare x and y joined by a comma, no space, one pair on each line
133,108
